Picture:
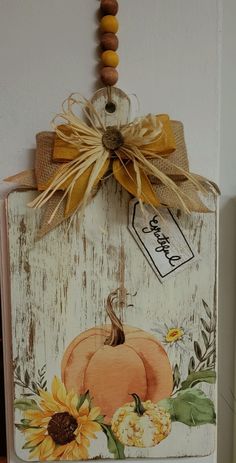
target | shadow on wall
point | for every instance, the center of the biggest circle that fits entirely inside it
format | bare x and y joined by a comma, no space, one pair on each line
226,323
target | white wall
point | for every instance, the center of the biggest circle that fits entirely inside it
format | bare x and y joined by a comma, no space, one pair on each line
227,261
170,54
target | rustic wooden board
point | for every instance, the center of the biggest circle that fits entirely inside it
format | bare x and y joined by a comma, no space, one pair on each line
59,286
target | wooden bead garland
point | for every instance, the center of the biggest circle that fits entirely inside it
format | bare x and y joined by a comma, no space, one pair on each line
110,58
109,76
109,23
109,41
109,7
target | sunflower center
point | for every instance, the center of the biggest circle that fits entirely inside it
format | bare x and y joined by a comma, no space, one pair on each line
61,428
112,139
174,334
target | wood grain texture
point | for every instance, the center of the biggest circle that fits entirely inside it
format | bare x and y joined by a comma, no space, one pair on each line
59,286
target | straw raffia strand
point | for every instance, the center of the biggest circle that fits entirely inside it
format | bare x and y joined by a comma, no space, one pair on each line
137,136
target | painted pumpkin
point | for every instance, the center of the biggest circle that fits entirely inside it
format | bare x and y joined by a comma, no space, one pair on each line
141,424
113,360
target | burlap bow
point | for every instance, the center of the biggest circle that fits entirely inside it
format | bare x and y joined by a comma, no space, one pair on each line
147,157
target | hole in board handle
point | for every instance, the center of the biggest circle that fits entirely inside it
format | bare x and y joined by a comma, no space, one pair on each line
110,107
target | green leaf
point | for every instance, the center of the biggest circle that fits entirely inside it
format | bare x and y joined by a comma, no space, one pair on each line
82,399
191,365
27,378
208,361
176,376
205,339
197,350
207,376
100,419
44,384
34,387
213,325
207,309
42,371
114,446
26,404
212,352
190,407
32,449
168,405
205,325
28,445
23,427
24,421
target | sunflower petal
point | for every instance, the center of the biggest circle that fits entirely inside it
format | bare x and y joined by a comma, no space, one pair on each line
58,390
33,433
46,448
83,453
82,440
34,454
94,413
34,414
45,395
84,409
58,451
90,428
36,441
69,452
72,402
126,176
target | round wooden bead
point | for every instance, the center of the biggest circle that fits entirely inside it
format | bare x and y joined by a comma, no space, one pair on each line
109,7
109,41
110,58
109,24
109,76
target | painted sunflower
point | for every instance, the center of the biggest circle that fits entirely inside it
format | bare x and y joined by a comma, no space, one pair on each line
60,428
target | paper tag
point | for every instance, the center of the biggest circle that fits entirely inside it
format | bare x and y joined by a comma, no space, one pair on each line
160,238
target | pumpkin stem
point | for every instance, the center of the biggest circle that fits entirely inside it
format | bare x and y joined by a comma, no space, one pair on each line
139,408
117,335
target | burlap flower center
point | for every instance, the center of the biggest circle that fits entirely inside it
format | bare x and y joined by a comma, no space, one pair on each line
112,139
61,428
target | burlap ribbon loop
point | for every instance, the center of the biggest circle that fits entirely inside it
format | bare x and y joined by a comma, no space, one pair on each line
148,157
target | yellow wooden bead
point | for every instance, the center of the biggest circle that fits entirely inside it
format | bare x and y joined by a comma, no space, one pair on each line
109,23
110,58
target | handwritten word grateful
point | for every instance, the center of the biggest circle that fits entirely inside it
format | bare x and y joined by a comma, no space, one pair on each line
162,240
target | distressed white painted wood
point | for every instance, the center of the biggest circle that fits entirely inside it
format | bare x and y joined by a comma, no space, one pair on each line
59,286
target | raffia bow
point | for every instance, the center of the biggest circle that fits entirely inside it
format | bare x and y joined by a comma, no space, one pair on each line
147,157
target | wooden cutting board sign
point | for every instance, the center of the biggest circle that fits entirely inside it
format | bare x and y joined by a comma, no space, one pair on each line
94,329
